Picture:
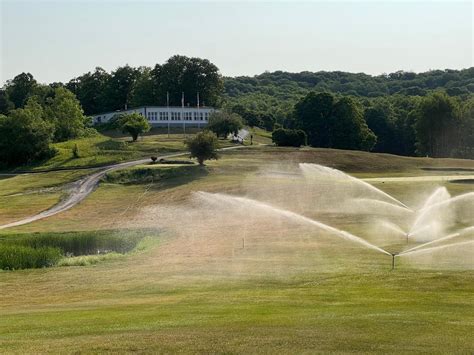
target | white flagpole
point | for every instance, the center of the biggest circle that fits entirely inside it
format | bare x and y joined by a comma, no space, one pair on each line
199,118
168,106
182,116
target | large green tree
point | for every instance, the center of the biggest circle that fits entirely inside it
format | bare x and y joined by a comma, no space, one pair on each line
25,135
143,92
223,123
20,88
348,127
118,91
466,141
333,124
65,113
438,125
90,90
380,118
189,75
313,114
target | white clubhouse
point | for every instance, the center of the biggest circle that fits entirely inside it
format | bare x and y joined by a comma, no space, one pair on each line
163,115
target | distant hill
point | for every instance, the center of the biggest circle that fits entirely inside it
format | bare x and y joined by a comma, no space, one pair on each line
285,85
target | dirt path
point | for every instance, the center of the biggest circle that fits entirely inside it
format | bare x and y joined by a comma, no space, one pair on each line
82,188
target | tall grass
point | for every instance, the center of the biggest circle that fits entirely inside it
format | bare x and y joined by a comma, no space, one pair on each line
15,257
22,251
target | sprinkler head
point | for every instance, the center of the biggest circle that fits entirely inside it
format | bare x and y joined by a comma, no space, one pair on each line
393,259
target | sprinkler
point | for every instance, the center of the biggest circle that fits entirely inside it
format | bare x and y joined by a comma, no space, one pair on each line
393,259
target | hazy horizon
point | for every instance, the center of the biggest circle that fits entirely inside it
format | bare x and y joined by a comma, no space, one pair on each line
60,40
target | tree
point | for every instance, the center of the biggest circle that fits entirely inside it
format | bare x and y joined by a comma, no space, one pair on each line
20,89
25,136
203,146
333,124
191,76
312,115
90,90
466,139
438,124
5,104
118,90
289,137
133,124
348,127
380,118
223,123
143,92
66,114
267,121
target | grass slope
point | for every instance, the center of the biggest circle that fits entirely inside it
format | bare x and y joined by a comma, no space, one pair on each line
274,296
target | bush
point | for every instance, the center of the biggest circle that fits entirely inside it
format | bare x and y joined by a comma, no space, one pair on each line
289,137
75,151
15,257
133,124
203,146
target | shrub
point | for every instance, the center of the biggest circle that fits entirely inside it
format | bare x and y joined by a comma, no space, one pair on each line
133,124
289,137
203,146
75,151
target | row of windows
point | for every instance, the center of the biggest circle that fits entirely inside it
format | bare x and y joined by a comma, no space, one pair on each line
176,116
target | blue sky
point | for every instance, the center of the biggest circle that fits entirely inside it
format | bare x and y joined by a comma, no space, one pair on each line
58,40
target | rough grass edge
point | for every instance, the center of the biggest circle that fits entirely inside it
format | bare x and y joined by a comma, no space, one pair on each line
143,245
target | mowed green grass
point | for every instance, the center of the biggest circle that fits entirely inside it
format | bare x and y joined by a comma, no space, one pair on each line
113,147
24,195
382,312
273,297
27,194
103,149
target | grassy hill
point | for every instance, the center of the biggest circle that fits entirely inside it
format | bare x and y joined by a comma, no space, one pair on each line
287,289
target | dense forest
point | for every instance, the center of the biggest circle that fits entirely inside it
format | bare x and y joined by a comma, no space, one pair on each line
404,113
277,92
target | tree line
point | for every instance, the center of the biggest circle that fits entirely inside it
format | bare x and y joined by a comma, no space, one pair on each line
284,85
100,91
436,125
401,113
